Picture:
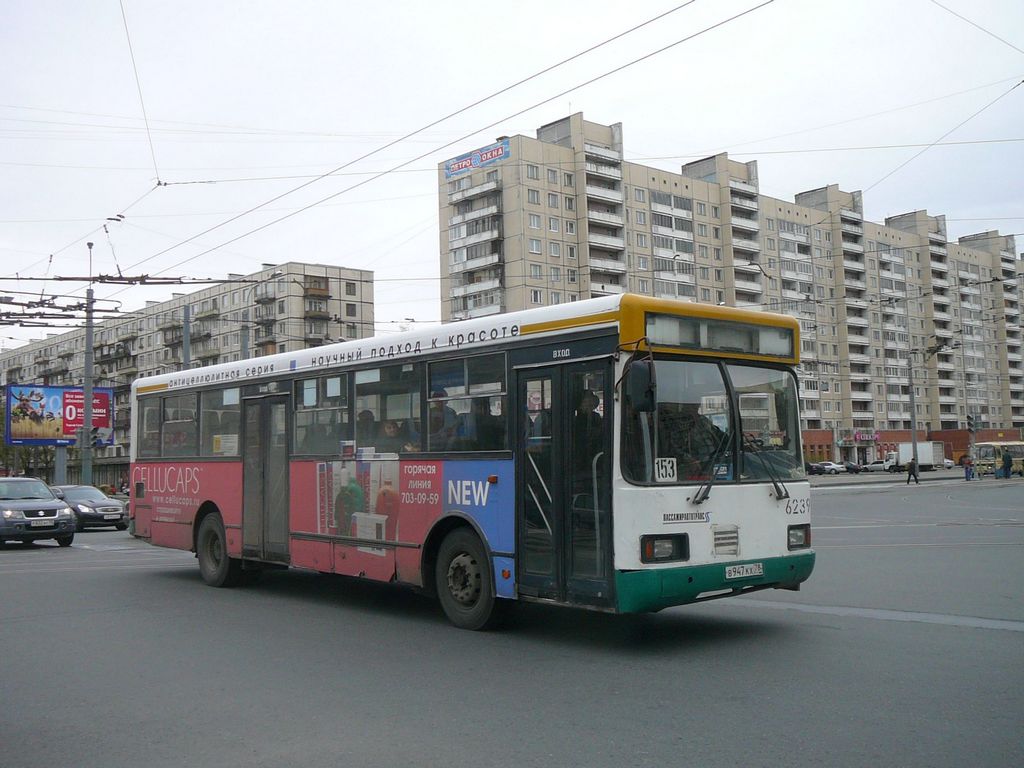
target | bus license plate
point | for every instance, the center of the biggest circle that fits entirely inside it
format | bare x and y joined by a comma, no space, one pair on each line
40,523
743,571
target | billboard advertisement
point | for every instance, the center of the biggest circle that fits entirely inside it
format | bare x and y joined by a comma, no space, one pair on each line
38,415
478,158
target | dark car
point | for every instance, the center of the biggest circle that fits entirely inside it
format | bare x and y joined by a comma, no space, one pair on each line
854,467
30,511
813,468
93,508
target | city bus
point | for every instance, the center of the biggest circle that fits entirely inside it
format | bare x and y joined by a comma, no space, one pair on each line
988,456
622,454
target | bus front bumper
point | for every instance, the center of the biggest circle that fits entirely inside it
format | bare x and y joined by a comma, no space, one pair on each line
652,590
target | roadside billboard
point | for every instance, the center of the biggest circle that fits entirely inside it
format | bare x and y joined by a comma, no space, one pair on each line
38,415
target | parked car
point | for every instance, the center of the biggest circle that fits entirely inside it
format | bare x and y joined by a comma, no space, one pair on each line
948,463
878,465
831,467
93,508
852,466
30,511
812,468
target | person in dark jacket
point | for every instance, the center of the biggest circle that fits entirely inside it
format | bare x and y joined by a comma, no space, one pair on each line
912,472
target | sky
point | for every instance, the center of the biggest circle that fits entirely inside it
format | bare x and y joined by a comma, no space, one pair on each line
186,139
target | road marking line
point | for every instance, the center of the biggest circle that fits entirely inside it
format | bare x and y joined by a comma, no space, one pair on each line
881,614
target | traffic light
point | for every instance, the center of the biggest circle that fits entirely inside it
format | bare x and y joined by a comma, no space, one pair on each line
95,438
972,427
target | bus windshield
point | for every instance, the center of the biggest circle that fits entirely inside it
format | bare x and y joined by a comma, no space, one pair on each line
698,430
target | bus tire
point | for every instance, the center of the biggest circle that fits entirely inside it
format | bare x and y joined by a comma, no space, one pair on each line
216,568
463,581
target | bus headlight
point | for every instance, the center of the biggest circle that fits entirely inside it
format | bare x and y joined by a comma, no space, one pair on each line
662,549
799,536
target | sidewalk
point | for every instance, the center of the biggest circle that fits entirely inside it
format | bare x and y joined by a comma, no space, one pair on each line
880,478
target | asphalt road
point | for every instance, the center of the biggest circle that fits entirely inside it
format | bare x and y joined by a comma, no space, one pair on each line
906,648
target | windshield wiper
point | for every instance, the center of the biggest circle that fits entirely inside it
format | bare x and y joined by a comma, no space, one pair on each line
781,491
704,489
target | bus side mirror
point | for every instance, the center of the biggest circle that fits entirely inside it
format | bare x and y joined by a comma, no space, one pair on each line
640,385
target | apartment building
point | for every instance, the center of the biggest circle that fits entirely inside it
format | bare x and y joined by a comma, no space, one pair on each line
533,221
280,308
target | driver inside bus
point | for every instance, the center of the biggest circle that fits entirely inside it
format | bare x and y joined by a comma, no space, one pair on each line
689,436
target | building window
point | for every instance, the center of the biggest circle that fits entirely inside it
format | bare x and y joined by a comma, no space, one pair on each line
552,224
536,297
570,251
717,252
714,211
350,289
643,285
534,221
641,240
702,209
640,194
716,233
533,196
570,204
702,251
552,200
534,245
643,263
641,217
570,227
552,176
570,275
556,274
702,230
556,297
350,310
532,172
705,294
554,249
536,271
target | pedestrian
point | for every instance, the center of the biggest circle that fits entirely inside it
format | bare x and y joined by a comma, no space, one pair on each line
912,472
968,468
1007,464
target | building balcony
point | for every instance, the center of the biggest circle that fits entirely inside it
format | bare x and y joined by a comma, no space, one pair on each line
479,213
939,266
738,201
479,262
747,286
745,245
743,187
168,323
614,266
857,320
602,152
856,338
939,282
484,311
606,241
858,395
850,215
316,314
851,247
478,237
484,285
603,169
938,314
604,193
939,249
853,282
124,334
853,265
854,228
605,289
856,302
265,294
741,225
859,358
128,368
478,191
605,217
204,314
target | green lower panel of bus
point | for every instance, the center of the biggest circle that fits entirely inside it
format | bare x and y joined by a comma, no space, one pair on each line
653,590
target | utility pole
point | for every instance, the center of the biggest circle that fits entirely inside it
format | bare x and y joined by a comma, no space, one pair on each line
85,438
186,339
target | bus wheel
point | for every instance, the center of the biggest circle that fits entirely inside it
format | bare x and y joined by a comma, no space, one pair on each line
463,581
216,568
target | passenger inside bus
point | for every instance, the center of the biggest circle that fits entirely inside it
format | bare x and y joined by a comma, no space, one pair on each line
479,429
393,438
366,428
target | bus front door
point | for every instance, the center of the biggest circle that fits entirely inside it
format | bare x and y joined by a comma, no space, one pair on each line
564,483
265,479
